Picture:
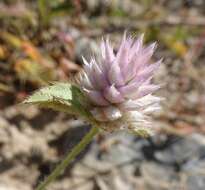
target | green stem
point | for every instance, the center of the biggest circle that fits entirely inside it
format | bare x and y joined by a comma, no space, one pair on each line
74,152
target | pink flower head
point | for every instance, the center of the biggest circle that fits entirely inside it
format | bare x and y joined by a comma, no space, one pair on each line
119,85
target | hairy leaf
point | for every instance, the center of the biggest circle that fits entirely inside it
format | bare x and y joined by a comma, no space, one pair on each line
63,97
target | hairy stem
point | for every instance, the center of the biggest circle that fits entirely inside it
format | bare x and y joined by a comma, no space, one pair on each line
74,152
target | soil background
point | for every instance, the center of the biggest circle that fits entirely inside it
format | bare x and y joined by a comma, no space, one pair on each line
44,41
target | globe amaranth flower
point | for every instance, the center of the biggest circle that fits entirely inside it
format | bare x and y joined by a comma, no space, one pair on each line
119,86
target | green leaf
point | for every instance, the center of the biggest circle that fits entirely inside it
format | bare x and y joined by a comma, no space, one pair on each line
59,91
63,97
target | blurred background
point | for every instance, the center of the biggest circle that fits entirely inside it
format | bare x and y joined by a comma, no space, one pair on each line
43,41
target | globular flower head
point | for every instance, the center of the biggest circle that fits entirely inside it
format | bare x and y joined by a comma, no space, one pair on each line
119,85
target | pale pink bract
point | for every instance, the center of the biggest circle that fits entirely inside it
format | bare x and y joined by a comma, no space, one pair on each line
119,85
